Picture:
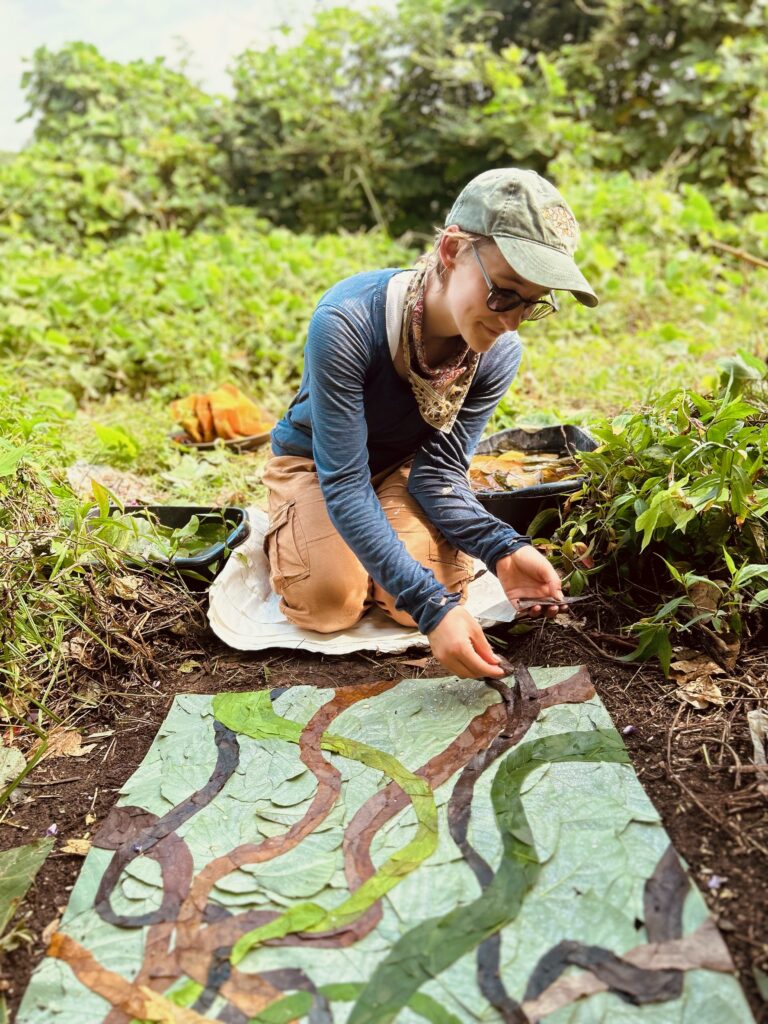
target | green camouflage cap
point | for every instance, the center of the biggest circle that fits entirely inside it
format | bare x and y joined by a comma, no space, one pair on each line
530,222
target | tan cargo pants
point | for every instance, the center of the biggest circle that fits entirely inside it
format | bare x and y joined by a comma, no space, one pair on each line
322,584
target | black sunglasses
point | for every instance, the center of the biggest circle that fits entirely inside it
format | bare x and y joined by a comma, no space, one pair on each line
502,300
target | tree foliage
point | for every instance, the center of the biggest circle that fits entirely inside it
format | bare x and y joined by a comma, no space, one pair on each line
377,118
117,148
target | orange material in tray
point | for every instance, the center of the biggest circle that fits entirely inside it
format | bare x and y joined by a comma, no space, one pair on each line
511,470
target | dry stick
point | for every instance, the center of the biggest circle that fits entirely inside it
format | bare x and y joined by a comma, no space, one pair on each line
591,642
734,833
669,737
742,255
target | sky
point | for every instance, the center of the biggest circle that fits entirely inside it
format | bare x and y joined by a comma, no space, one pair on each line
213,30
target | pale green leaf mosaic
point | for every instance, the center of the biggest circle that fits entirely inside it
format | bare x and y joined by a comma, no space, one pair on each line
567,832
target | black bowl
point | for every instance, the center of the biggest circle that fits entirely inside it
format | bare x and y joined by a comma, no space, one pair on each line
208,563
519,508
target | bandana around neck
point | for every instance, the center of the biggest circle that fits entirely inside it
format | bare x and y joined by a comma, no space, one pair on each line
439,390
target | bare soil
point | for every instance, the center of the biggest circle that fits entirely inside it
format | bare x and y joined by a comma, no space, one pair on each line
694,764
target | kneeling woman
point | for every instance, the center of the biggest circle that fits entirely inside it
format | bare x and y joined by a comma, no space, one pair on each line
369,500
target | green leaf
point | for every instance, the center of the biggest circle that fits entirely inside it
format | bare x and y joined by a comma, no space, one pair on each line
647,523
117,439
18,868
749,572
102,496
654,642
729,562
10,457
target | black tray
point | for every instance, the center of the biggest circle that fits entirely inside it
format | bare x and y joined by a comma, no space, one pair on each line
208,563
519,508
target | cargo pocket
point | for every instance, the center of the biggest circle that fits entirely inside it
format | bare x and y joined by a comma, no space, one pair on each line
286,548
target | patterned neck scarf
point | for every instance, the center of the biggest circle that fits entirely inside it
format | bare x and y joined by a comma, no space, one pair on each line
439,390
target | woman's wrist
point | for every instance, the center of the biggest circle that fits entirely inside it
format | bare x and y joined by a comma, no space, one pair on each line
523,541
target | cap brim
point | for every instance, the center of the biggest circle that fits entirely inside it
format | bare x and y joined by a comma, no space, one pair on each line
545,266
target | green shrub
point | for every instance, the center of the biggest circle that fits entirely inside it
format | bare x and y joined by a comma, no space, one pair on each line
676,503
173,312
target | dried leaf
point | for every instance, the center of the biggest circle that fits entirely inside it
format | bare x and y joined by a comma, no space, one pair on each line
705,595
704,948
83,650
758,730
701,693
188,666
65,743
694,669
732,649
50,929
125,587
417,662
78,847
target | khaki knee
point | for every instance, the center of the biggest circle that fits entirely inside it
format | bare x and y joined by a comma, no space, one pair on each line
327,606
386,602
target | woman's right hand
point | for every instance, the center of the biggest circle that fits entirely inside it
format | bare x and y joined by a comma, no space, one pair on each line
461,647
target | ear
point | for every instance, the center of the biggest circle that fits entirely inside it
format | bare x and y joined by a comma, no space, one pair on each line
449,247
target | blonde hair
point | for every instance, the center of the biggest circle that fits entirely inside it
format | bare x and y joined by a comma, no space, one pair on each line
431,261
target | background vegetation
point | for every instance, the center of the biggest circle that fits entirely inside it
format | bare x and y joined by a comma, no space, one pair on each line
156,239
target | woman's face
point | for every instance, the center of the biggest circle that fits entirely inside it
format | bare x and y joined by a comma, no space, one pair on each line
464,292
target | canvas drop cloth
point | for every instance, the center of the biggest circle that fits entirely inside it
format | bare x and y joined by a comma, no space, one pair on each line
244,612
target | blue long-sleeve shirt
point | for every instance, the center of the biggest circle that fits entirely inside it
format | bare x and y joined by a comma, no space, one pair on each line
354,416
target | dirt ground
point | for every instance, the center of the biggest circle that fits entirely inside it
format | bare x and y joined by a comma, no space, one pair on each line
696,766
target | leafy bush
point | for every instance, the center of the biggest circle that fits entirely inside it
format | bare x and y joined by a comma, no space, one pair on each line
676,502
118,148
174,312
378,118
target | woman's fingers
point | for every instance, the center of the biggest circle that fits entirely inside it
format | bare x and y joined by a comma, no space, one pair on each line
461,647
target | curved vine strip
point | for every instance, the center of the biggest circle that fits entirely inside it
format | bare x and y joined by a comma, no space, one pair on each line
199,945
299,1004
255,717
427,950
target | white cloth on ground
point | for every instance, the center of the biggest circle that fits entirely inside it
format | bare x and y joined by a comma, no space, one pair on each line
244,612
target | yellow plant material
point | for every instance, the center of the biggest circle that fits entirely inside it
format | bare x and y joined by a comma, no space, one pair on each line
513,469
224,412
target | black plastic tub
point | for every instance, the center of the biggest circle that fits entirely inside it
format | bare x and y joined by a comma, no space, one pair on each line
206,564
519,508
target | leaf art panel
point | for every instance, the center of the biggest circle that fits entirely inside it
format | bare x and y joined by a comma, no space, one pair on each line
443,850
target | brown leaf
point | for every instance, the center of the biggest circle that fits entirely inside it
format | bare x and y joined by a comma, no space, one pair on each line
65,743
701,693
732,649
83,650
134,1000
417,662
705,595
694,669
704,948
125,587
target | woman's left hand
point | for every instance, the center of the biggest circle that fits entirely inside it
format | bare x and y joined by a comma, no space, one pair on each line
526,573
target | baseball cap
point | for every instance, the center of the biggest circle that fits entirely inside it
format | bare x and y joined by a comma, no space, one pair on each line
531,223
